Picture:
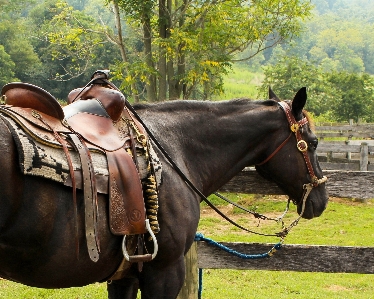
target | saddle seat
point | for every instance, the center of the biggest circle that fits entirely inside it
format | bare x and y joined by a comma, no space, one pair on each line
91,120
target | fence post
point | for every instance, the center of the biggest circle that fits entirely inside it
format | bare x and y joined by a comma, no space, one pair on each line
364,156
190,286
348,154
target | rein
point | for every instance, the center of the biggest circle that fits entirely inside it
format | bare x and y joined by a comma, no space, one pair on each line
295,126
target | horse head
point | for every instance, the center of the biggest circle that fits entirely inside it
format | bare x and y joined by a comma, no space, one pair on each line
292,161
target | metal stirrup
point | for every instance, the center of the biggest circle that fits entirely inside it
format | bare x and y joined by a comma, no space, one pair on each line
144,257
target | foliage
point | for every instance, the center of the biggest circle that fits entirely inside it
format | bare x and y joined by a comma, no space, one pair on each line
339,37
354,96
340,95
72,39
290,74
7,67
194,41
13,6
74,55
17,49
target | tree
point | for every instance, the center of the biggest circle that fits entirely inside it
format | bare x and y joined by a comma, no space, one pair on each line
7,67
70,45
354,95
290,74
199,40
186,46
340,39
338,95
16,44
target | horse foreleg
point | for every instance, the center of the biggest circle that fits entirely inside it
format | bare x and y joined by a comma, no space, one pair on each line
126,288
162,281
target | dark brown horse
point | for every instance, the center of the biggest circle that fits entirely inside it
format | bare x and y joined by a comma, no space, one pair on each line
210,142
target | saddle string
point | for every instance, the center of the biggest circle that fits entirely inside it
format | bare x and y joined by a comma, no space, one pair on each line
255,214
71,171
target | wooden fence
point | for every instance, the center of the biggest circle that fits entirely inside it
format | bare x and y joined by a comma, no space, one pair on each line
352,148
331,259
346,163
348,131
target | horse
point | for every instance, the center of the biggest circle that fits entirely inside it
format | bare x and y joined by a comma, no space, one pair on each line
210,142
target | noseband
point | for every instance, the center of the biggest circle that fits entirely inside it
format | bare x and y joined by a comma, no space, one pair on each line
302,146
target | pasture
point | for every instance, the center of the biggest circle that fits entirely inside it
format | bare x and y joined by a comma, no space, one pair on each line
345,222
240,83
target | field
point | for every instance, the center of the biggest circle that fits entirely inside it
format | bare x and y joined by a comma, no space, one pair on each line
241,83
345,222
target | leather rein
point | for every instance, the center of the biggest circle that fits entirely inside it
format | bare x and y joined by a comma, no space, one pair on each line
295,127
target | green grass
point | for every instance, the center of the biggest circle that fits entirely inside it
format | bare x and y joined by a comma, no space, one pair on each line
12,290
239,83
345,222
230,284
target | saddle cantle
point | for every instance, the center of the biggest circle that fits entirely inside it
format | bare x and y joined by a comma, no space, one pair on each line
88,123
26,95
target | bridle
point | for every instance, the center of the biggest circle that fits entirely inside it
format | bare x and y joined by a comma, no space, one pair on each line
302,146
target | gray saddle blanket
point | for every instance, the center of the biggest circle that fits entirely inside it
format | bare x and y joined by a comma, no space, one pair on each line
42,160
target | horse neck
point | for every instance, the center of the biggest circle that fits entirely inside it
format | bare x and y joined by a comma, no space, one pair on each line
212,141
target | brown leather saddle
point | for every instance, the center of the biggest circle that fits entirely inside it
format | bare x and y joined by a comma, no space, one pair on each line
87,124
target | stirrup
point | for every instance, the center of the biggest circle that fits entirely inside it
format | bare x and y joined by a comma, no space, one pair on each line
143,257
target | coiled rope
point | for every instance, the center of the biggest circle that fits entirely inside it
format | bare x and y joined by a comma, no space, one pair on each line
200,237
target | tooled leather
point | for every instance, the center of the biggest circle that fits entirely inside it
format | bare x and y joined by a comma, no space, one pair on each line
126,208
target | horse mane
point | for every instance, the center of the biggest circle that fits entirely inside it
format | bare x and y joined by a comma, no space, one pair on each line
311,122
230,105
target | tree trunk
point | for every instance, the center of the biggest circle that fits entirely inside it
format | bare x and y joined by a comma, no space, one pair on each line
181,57
151,82
173,83
162,66
122,47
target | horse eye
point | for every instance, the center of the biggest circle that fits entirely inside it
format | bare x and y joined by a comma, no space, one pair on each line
313,144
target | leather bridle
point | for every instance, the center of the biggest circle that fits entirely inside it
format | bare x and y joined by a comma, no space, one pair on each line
302,146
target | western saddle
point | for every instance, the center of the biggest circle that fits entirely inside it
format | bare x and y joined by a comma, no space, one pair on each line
87,123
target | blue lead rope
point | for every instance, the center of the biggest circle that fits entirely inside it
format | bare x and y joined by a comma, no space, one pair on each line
200,237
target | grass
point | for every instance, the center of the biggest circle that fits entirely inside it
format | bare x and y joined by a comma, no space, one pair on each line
345,222
12,290
239,83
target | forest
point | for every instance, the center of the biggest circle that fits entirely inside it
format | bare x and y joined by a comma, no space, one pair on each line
183,49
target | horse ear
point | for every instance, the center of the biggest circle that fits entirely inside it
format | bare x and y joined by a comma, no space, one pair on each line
272,95
299,101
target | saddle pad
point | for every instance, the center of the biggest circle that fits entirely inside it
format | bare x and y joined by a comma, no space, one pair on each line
41,160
